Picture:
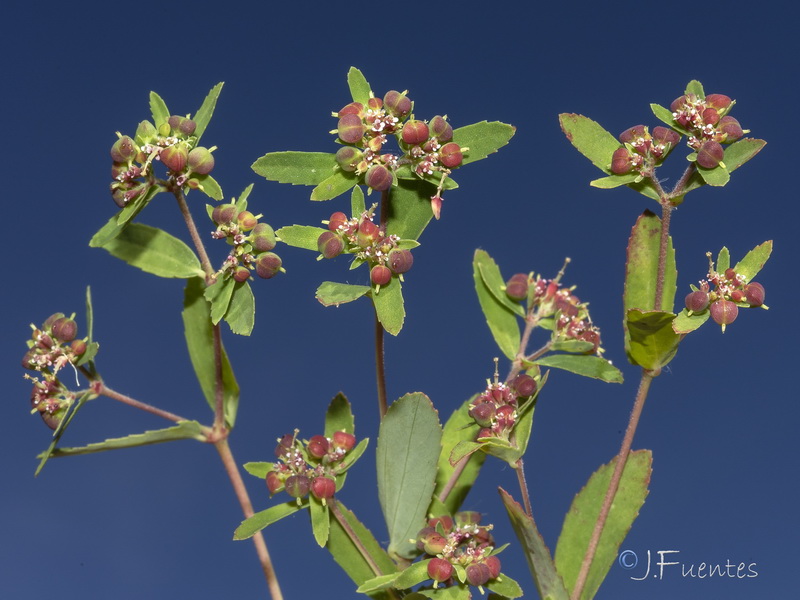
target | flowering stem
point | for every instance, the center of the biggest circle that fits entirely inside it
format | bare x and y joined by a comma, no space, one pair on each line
219,388
380,368
613,486
247,509
98,387
451,483
193,233
523,487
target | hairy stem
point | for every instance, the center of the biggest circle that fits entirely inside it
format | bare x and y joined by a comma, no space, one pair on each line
219,388
101,389
613,486
193,233
451,483
523,487
380,368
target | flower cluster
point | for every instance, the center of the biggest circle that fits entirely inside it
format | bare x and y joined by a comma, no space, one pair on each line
461,548
173,144
642,151
427,148
309,466
50,348
730,291
495,410
251,243
369,242
547,298
708,124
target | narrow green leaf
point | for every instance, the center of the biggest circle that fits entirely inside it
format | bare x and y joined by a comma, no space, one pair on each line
409,208
241,313
334,185
90,314
389,306
665,116
685,323
357,205
330,293
653,343
359,88
416,573
410,429
258,521
301,236
577,346
219,294
203,114
591,140
613,181
505,586
588,365
376,584
350,459
723,260
462,449
241,203
258,469
320,521
457,429
209,186
62,427
158,109
754,261
120,221
346,553
184,430
696,88
482,139
641,268
717,177
198,331
453,592
297,168
741,151
580,519
502,321
154,251
495,284
547,579
339,416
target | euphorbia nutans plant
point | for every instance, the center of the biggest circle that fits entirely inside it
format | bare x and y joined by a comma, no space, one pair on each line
383,144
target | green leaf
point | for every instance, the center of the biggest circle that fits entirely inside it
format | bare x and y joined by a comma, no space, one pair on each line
158,109
346,553
457,429
547,579
723,260
641,268
653,343
339,416
580,519
685,323
203,114
334,185
588,365
219,294
389,306
120,221
741,151
209,186
591,140
494,282
754,261
320,521
613,181
453,592
665,116
258,469
184,430
410,430
416,573
198,331
297,168
241,203
696,88
62,427
241,313
301,236
351,457
376,584
359,88
502,321
505,586
154,251
482,139
463,449
409,210
330,293
578,346
258,521
357,205
717,177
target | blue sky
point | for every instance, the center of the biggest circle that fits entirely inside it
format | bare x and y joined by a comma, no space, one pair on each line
157,522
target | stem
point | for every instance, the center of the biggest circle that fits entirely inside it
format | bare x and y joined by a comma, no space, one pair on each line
619,467
247,509
380,368
219,388
523,487
193,233
101,389
451,483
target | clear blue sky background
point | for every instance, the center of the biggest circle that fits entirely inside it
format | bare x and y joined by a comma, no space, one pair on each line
157,522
